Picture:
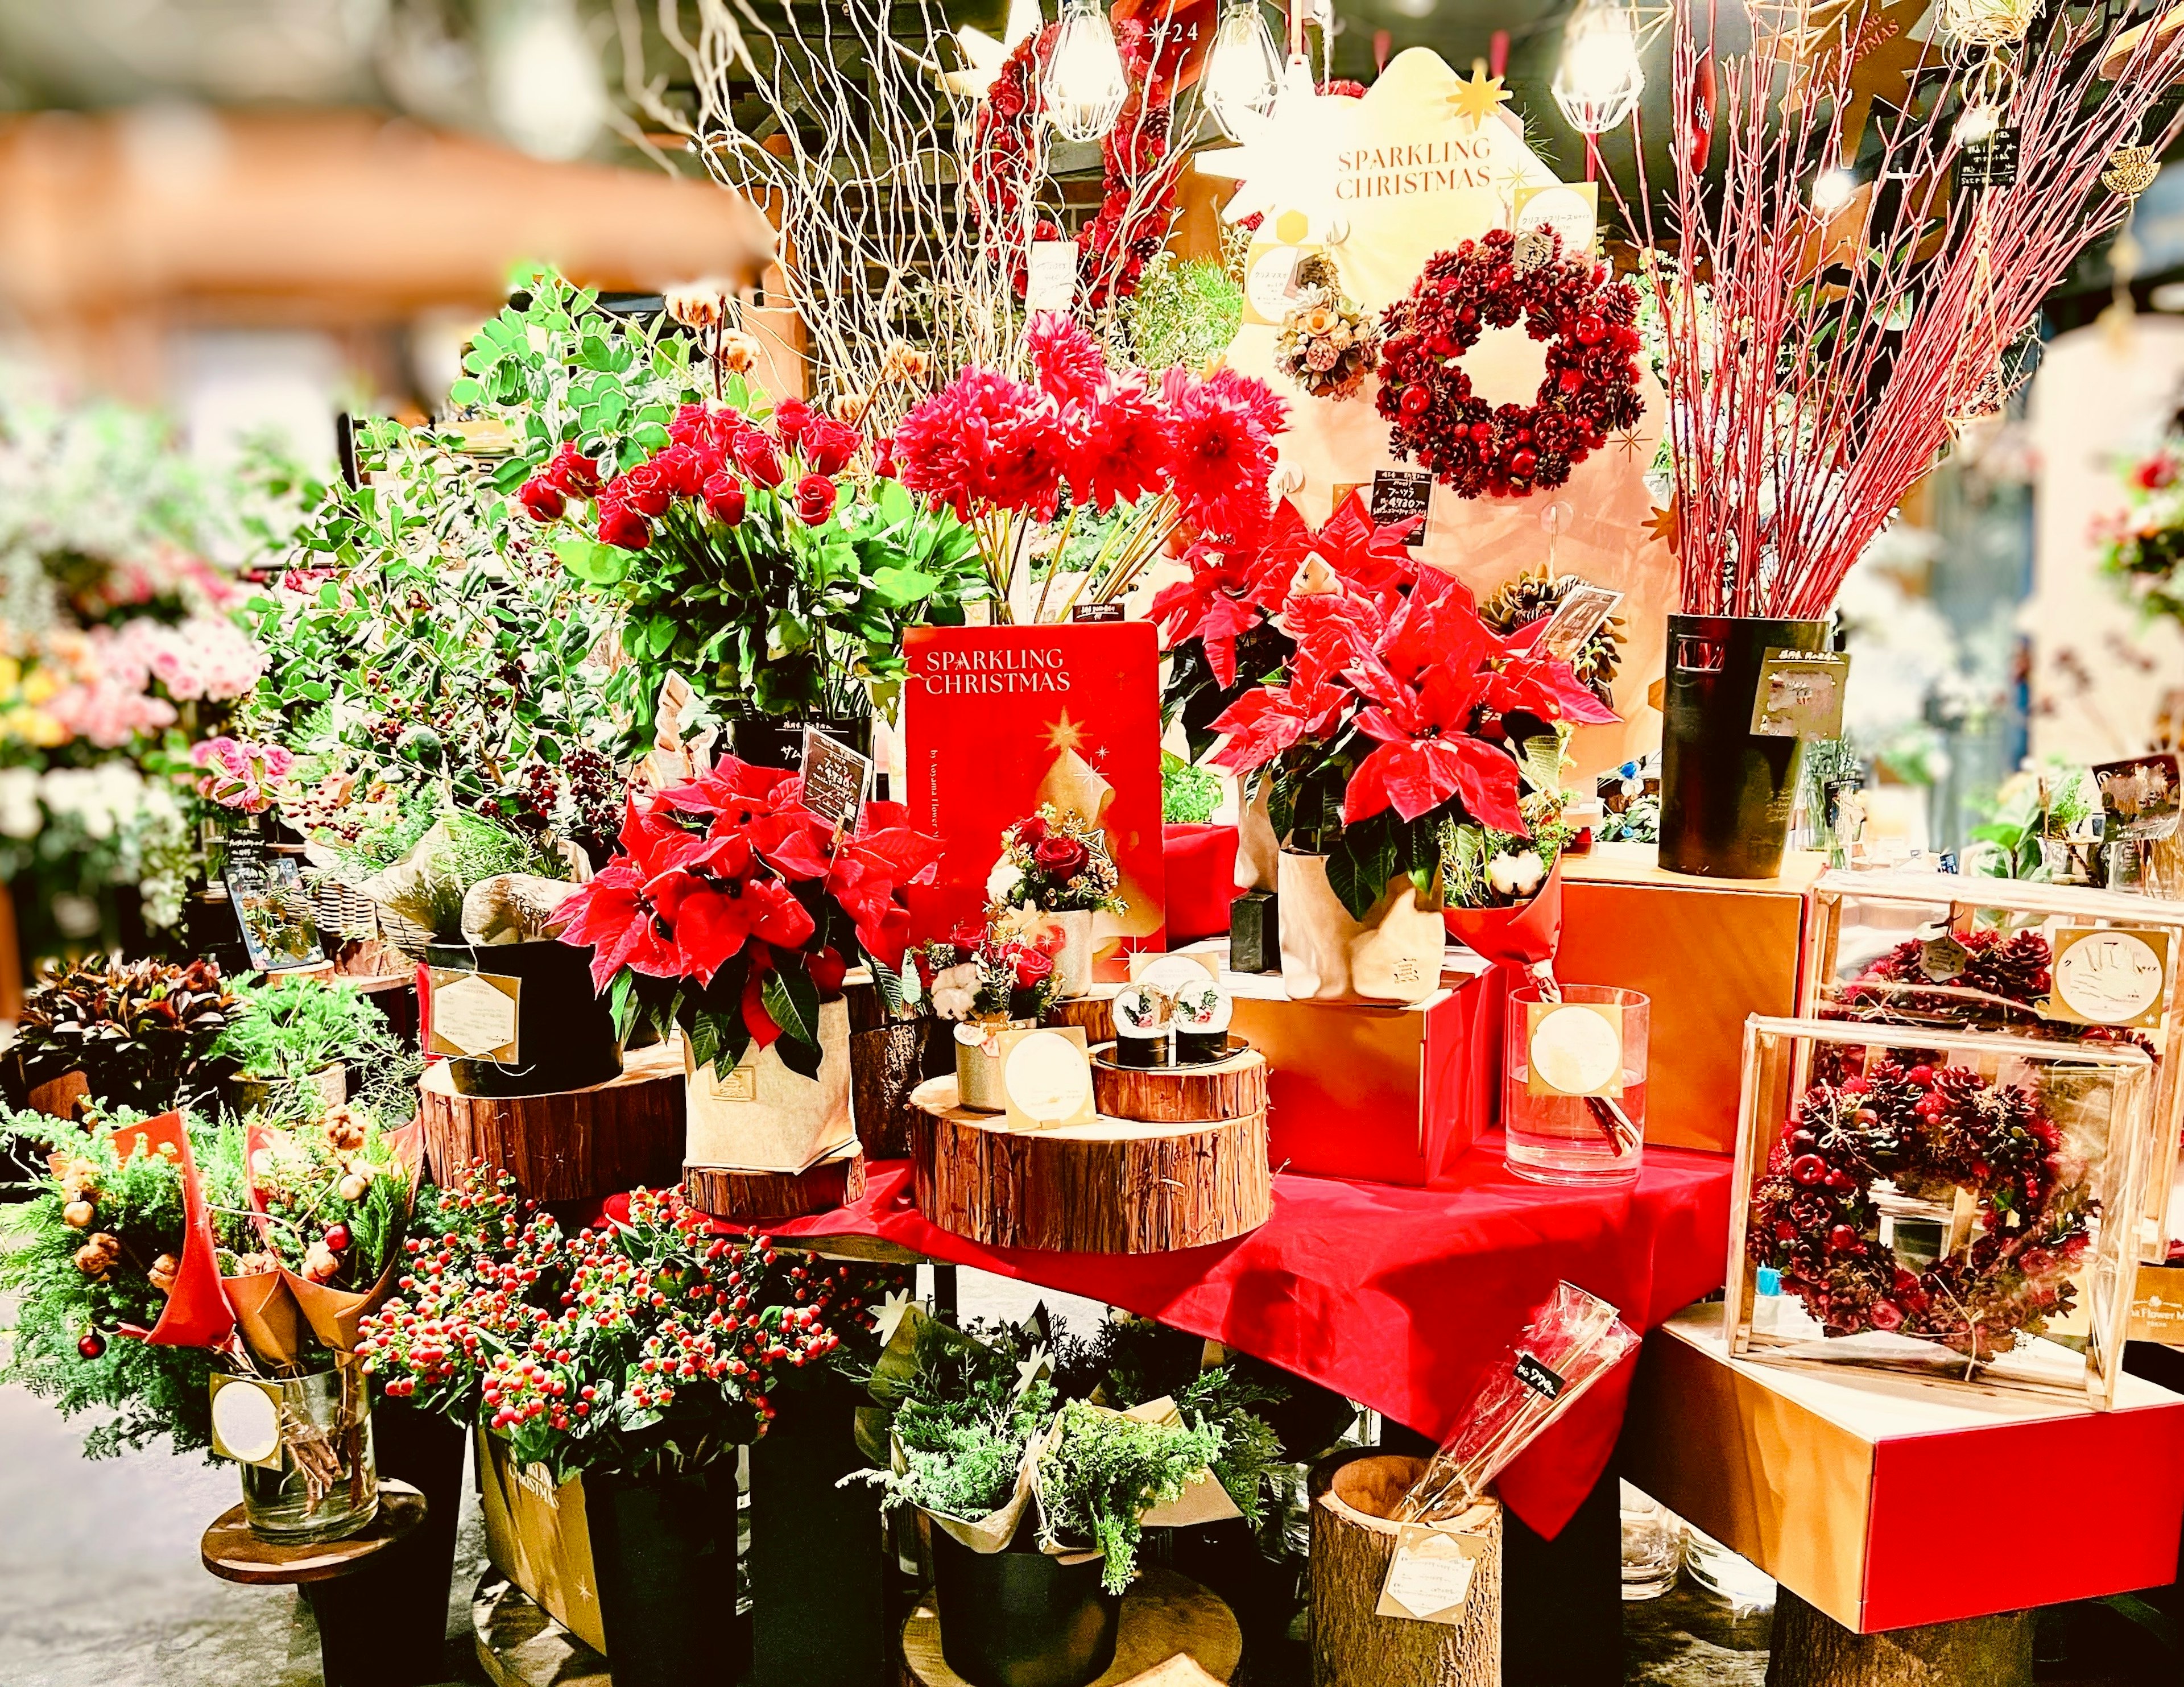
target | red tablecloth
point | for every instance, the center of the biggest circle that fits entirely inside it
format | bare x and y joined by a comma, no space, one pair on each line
1397,1297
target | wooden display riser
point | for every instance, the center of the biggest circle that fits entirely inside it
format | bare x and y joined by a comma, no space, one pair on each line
1811,1649
1116,1186
1165,1616
570,1144
519,1645
1233,1088
747,1197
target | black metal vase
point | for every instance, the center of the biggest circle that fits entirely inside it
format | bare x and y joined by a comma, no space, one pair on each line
664,1553
565,1036
1022,1617
771,741
1725,793
426,1451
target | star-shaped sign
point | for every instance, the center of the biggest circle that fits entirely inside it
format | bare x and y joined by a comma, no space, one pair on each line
984,56
1479,97
1030,1370
1065,734
1667,526
893,1311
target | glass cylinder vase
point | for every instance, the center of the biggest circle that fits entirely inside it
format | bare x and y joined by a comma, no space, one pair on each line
318,1480
1573,1082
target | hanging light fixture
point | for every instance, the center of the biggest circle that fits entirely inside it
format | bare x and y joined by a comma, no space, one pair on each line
1084,86
1243,72
1599,80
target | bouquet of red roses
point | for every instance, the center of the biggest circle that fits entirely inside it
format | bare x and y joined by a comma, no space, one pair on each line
734,911
1398,711
1143,459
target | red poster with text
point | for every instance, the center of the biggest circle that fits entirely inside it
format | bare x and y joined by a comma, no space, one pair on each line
998,720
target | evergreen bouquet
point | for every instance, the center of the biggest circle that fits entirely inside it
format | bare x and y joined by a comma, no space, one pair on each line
734,911
284,1032
982,974
640,1347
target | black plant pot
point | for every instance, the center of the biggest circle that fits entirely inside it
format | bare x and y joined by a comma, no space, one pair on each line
818,1556
1022,1617
664,1554
770,741
564,1032
1725,794
426,1451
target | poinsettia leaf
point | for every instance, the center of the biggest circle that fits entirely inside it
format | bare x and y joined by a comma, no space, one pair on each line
704,1039
1361,864
792,999
799,1056
621,1002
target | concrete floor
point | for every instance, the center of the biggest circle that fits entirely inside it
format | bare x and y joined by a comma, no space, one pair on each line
100,1584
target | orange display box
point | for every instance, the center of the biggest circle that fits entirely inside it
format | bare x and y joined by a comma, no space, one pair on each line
1708,952
1889,1501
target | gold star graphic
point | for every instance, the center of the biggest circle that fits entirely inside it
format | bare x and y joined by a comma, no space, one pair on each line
1479,97
1065,734
1667,526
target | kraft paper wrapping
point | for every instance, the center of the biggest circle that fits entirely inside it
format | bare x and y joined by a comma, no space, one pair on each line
266,1313
539,1537
763,1116
1392,955
334,1314
673,760
1075,786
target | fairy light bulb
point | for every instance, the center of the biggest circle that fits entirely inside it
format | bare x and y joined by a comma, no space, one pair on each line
1243,73
1832,189
1083,87
1599,80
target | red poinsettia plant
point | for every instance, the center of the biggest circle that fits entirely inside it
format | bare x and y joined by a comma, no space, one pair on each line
1398,712
733,910
1157,460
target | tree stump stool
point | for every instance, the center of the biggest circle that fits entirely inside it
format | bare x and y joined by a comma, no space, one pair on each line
1164,1617
1353,1545
342,1579
748,1197
519,1645
1115,1186
1811,1649
568,1144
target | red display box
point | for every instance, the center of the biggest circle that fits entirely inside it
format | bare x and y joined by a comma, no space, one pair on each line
1887,1500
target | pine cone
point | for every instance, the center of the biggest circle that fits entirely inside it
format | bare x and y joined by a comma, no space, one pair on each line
2015,969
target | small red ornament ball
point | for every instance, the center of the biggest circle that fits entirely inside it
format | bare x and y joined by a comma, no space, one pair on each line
338,1237
1523,463
1842,1239
1856,1086
1591,329
1415,400
92,1346
1923,1075
1808,1169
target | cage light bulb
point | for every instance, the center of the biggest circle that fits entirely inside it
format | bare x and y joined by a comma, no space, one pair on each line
1243,73
1084,86
1832,189
1599,77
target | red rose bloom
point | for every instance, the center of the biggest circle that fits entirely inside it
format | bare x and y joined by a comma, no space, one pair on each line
724,498
815,500
645,489
689,427
1031,830
681,469
1063,857
828,445
1033,968
969,934
619,525
792,418
573,473
755,455
541,499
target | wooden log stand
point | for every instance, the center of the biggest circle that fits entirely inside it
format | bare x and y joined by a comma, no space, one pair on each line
1095,1012
1352,1543
344,1580
519,1645
1233,1088
748,1197
1811,1649
1165,1616
1116,1186
889,1058
572,1144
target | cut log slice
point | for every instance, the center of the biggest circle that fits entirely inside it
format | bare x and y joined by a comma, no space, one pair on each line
1116,1186
886,1062
1095,1012
1352,1544
1233,1088
569,1144
1811,1649
744,1197
1166,1618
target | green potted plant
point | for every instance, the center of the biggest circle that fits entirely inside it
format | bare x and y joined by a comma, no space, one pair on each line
293,1042
759,556
618,1369
138,1034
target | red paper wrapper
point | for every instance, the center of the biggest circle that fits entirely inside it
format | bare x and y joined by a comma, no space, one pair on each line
1523,938
197,1314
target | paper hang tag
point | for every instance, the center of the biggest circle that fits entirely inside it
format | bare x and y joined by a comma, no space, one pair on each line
1991,162
2109,975
1571,209
1429,1575
1398,495
835,779
1046,1078
1573,1048
1052,281
246,1420
1576,619
1081,615
1270,280
1800,695
474,1015
1942,956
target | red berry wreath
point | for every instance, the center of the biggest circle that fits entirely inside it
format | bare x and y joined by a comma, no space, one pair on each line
1931,1132
1591,384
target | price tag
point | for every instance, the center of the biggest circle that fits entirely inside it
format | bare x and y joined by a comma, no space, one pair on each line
474,1015
1046,1078
1429,1575
1541,1378
1801,694
1052,283
246,1420
1576,619
1399,494
1573,1048
1082,612
835,779
2109,975
1990,163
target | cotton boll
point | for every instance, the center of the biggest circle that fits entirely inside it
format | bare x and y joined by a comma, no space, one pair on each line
1003,881
1515,876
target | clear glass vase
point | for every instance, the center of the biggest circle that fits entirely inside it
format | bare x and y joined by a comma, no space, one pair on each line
1652,1546
1573,1082
326,1485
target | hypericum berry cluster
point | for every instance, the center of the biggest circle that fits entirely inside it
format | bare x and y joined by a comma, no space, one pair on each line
1930,1131
604,1349
1591,384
